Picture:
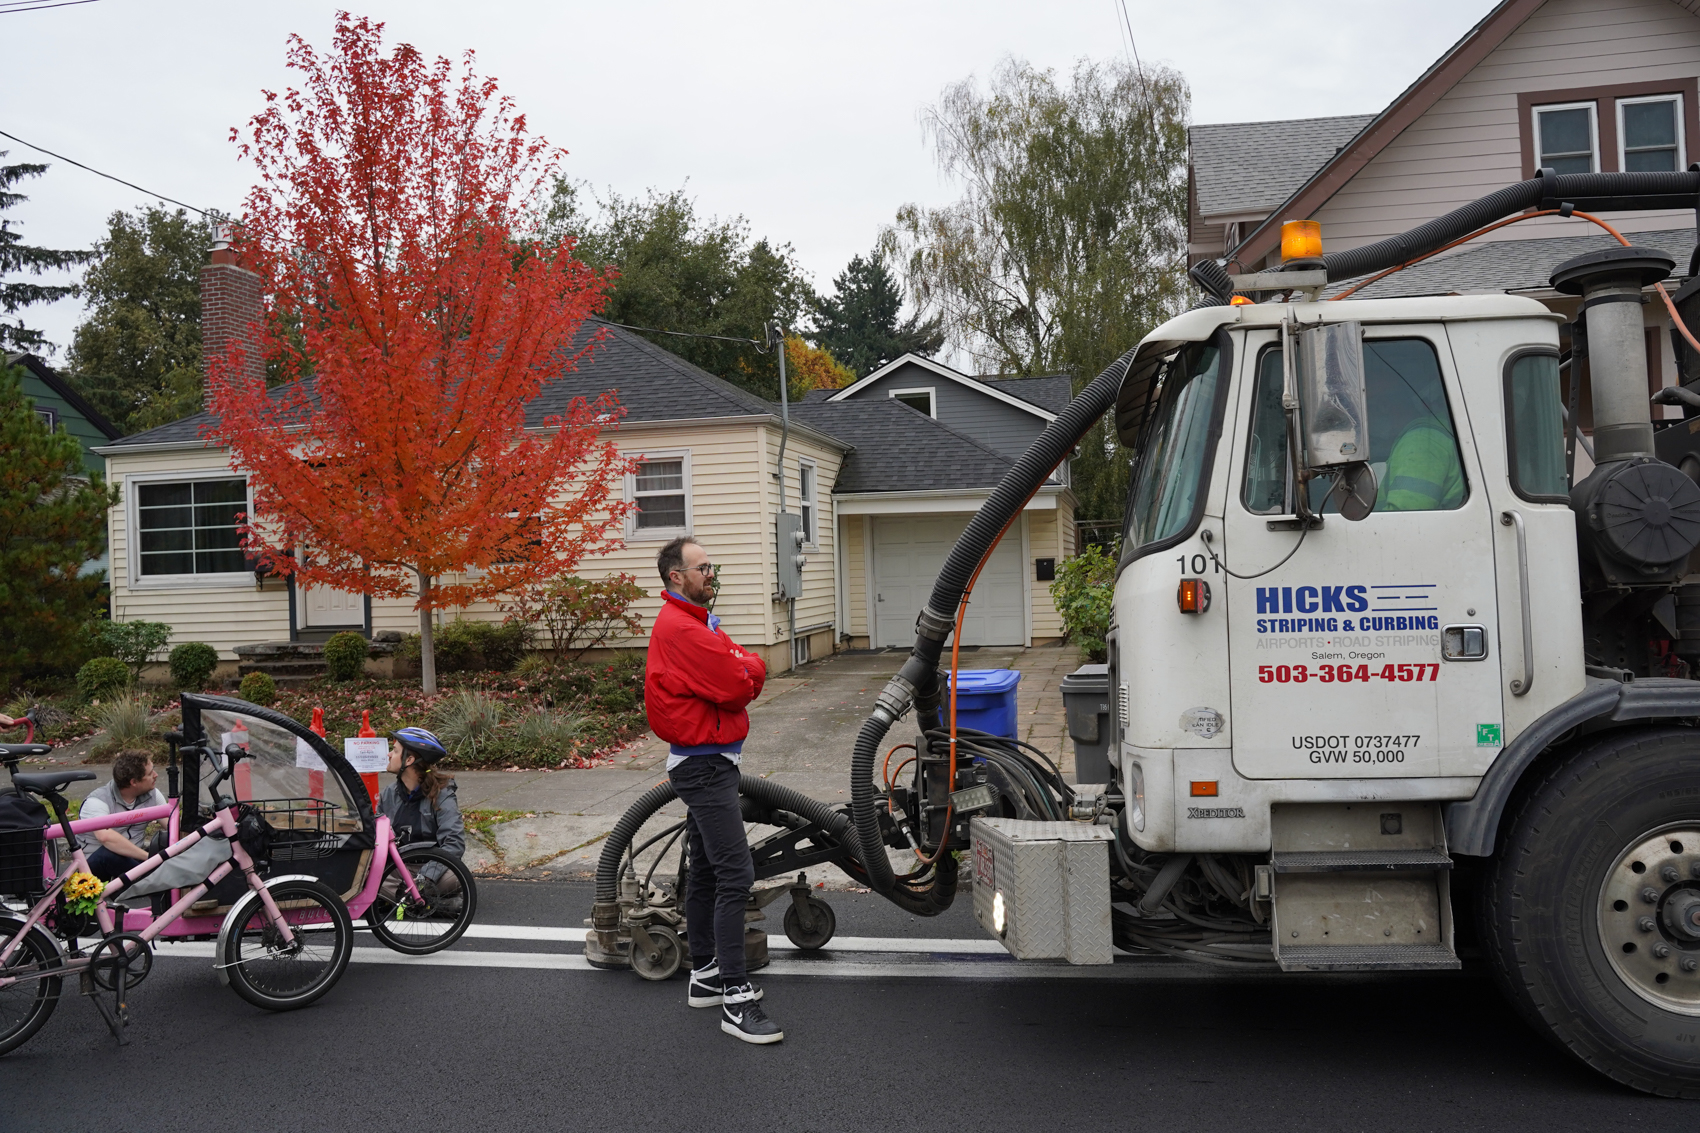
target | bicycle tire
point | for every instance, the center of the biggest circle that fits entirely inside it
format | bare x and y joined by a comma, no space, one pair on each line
286,980
33,1005
438,928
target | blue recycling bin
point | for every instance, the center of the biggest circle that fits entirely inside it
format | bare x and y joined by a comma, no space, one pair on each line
985,701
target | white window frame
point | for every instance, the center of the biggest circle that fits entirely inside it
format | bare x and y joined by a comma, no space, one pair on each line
810,501
133,534
1593,109
932,398
48,415
635,534
1681,141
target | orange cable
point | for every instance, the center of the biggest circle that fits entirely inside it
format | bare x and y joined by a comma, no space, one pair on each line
1670,304
885,768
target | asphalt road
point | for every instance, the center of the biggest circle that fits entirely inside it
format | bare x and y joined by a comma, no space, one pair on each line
508,1033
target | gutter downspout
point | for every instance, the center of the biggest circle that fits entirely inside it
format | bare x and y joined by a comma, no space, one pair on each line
784,437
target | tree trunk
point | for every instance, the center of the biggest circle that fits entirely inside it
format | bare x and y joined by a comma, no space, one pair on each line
427,648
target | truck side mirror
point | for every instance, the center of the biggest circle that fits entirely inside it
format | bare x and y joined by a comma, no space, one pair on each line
1335,413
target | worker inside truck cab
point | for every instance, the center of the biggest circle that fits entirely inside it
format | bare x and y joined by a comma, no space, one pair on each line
1411,434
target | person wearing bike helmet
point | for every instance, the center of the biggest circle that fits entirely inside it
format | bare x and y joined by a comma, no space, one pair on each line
422,800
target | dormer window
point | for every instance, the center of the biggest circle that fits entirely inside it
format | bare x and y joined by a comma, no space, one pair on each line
920,400
1628,128
1568,138
1650,133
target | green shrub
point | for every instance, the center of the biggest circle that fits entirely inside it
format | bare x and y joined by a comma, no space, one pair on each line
465,719
134,642
1083,593
534,666
124,719
345,656
258,688
191,664
101,676
577,614
460,645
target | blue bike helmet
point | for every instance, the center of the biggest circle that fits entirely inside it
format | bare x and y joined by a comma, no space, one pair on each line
424,746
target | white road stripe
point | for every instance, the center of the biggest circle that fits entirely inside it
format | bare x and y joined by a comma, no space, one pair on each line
827,967
774,943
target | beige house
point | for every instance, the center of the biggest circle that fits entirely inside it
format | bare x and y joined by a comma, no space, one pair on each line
882,488
1577,86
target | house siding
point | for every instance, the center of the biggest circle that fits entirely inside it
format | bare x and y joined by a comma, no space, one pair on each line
87,435
853,530
222,614
1050,534
1468,144
1003,428
731,484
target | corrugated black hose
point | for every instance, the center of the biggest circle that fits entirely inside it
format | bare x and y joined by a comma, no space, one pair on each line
916,684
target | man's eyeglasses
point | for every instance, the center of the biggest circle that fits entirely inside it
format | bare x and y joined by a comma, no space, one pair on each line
705,569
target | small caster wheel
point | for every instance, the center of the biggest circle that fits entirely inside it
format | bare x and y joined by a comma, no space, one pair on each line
819,928
664,961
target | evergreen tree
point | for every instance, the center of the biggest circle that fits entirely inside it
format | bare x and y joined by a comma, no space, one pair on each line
682,272
52,521
137,356
859,322
17,259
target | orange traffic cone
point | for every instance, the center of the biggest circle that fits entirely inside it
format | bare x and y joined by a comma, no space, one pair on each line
316,779
370,778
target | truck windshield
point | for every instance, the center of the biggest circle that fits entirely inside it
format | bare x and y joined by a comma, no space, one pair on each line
1168,481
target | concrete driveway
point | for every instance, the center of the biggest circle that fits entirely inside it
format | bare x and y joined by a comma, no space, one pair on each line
801,732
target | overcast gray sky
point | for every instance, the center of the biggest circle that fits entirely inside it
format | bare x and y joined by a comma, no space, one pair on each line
802,117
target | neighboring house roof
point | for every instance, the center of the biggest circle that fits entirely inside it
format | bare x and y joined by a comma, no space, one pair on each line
1512,265
1412,104
992,389
900,450
652,384
1241,167
63,388
1050,392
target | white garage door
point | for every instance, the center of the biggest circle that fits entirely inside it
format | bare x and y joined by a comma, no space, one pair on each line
909,552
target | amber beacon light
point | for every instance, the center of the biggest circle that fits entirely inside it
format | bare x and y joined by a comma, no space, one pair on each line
1194,596
1301,242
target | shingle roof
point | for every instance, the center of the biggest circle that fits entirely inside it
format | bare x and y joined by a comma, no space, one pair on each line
650,382
1050,391
1254,166
899,449
1513,265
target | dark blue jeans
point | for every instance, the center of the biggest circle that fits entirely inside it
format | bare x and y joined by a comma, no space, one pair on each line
106,865
721,869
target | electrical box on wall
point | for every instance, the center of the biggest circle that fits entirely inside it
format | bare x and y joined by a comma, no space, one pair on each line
790,554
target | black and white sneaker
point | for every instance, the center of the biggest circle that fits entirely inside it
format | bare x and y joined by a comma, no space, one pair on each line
742,1017
706,990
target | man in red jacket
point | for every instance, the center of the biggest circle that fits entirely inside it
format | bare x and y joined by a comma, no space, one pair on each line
696,685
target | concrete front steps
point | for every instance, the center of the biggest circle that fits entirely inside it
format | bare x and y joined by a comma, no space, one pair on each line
298,662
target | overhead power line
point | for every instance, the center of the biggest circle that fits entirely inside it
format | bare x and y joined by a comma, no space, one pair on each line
761,347
98,173
38,5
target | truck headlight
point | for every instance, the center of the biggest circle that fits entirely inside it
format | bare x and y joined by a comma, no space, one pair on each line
1000,920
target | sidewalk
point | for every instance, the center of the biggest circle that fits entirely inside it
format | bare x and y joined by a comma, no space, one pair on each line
802,729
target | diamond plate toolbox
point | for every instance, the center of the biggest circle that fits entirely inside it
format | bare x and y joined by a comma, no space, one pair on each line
1049,882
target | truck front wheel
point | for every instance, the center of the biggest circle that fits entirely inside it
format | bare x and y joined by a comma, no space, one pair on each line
1591,912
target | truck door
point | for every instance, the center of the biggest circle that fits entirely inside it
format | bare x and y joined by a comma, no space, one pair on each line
1337,666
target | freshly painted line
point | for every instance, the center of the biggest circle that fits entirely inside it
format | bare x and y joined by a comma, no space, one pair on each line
823,967
774,944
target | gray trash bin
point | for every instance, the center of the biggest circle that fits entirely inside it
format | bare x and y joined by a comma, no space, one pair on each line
1086,700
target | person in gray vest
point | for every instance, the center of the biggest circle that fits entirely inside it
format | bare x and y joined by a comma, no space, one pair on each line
112,851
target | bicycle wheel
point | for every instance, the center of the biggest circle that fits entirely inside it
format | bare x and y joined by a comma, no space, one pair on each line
279,977
419,928
25,1006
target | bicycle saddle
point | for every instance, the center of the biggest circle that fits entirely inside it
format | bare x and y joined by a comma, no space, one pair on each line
50,782
23,751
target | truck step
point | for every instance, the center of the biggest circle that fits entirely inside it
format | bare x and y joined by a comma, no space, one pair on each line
1367,958
1359,861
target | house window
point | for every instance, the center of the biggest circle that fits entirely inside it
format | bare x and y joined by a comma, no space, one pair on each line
189,527
806,500
917,399
48,417
1649,132
1567,138
660,487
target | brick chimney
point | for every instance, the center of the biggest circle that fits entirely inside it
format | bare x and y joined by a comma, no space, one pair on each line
230,305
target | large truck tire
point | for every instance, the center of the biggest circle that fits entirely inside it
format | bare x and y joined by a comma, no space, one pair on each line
1591,912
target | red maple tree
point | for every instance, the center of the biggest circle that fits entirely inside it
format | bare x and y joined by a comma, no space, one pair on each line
389,230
